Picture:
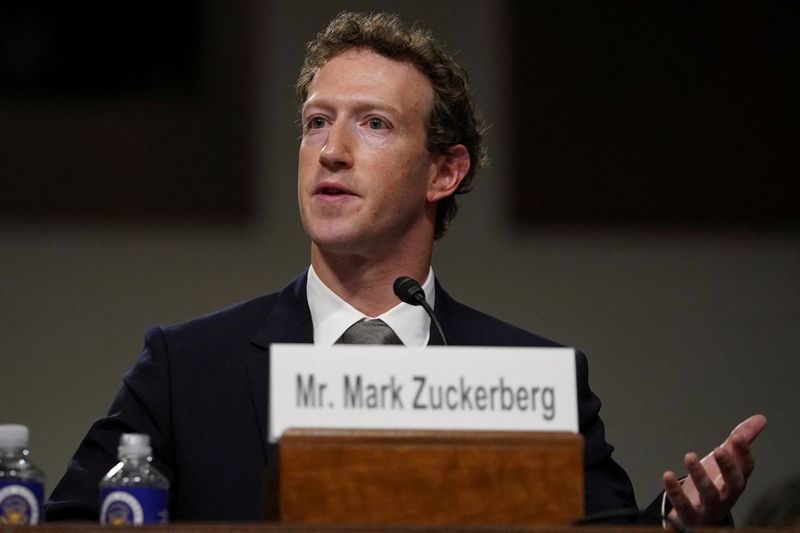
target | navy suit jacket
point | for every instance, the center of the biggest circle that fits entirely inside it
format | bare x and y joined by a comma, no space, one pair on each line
200,390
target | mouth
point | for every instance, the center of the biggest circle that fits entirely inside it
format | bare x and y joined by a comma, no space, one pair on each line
332,189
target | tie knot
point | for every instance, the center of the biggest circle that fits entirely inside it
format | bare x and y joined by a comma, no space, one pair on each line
369,331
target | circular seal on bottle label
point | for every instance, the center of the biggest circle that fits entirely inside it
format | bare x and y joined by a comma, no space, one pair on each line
18,506
121,509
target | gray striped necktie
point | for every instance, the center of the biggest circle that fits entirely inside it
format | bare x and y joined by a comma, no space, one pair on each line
369,331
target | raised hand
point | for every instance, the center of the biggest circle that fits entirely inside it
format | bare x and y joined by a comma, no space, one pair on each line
715,482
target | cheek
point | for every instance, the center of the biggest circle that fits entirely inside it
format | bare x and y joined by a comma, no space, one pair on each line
306,162
304,155
401,174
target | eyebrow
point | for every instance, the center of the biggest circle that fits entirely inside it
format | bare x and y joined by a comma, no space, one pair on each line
357,104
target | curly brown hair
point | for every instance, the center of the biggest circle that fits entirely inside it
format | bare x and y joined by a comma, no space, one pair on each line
454,118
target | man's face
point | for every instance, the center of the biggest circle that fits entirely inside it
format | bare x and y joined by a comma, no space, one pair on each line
364,171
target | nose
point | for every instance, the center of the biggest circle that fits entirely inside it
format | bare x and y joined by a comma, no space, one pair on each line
336,153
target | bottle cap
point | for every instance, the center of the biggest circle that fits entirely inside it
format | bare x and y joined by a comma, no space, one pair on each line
134,444
13,436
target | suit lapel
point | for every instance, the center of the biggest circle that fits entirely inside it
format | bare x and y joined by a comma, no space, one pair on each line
289,320
442,310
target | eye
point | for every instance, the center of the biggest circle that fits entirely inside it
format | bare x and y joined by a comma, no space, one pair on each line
376,123
315,123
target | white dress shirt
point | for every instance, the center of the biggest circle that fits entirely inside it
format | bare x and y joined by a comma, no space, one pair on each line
331,315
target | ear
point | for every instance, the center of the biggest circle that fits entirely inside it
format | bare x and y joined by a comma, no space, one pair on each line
450,169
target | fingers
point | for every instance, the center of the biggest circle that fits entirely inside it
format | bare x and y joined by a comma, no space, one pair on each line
707,491
743,455
681,504
734,479
737,450
699,501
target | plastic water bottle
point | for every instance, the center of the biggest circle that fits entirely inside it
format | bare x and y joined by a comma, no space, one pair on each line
21,482
134,492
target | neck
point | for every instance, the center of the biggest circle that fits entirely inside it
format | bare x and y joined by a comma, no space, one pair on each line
366,283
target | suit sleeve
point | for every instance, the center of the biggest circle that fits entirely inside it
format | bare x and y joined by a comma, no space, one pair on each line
606,484
142,405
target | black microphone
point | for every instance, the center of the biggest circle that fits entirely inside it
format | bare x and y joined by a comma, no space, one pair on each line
410,292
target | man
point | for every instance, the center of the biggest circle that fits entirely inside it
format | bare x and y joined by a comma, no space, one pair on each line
390,135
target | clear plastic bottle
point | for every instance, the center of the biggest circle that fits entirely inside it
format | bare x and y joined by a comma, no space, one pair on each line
134,492
21,482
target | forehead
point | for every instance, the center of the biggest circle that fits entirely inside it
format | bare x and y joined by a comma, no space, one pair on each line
364,75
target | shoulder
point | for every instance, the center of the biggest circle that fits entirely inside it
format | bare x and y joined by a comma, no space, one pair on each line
464,325
240,322
242,317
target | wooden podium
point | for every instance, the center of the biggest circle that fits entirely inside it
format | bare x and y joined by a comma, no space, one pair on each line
429,478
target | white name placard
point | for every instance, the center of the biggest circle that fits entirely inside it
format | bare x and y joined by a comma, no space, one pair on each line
437,387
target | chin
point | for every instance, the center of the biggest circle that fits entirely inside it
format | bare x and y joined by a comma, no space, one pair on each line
333,242
344,244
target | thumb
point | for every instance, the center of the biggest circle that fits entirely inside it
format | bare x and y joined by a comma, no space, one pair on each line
749,429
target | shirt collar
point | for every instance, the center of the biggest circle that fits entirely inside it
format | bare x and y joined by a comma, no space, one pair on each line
331,315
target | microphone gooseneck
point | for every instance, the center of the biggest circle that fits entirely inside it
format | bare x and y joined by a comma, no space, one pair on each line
410,292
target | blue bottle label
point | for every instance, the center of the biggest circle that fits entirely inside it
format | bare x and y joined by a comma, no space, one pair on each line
133,506
20,501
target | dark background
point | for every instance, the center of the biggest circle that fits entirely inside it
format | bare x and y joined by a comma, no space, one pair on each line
657,113
646,113
125,111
